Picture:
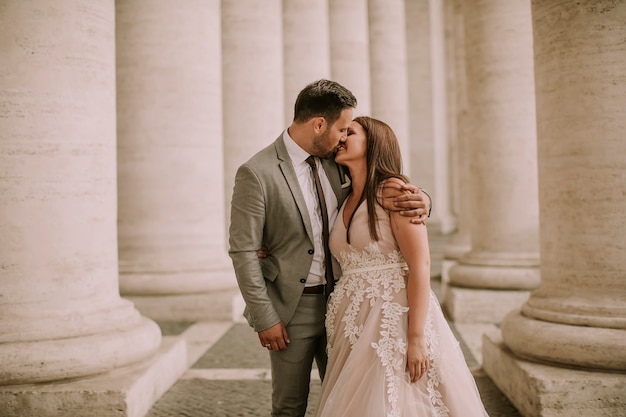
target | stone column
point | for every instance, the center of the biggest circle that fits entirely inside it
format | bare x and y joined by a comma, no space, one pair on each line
306,47
253,90
389,74
564,352
430,108
349,49
173,259
420,92
459,242
61,315
502,266
441,105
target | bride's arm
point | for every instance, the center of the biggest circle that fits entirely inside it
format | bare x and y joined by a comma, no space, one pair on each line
413,243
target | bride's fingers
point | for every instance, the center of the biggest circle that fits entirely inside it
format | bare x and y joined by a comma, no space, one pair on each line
417,370
421,370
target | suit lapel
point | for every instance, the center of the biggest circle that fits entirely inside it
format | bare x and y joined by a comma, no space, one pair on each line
339,179
291,178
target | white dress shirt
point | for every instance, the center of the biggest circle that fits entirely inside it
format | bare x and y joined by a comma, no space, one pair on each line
307,185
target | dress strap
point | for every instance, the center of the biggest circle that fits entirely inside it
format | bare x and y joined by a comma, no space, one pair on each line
375,268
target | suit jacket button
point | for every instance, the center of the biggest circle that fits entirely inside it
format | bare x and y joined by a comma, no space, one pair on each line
311,251
303,280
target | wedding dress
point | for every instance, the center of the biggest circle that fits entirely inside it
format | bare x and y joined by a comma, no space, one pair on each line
366,324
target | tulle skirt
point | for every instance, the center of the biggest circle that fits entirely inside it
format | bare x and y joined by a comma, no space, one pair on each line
366,373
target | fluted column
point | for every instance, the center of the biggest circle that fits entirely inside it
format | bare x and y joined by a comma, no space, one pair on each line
502,265
574,324
306,47
388,63
171,189
349,49
61,315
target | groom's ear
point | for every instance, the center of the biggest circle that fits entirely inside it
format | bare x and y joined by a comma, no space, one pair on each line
319,124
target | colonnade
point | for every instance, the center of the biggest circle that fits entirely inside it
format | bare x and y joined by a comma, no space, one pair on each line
500,192
569,337
61,314
60,298
170,173
123,123
542,135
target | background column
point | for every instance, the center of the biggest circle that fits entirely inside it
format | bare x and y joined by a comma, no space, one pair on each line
388,62
502,266
61,315
170,154
253,98
306,47
349,50
442,105
568,342
253,90
459,242
420,97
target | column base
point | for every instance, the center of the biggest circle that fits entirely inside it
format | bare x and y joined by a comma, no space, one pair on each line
445,223
446,265
456,247
466,305
472,336
124,392
505,276
538,390
143,283
211,306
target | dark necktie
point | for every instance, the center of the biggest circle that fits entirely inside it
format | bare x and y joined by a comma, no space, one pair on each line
330,279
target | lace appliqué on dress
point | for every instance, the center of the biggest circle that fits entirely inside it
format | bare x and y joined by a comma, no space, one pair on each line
366,274
371,276
434,375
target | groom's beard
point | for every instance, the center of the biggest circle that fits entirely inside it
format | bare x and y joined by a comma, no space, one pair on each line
321,146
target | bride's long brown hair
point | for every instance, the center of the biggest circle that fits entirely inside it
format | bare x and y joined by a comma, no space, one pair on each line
384,161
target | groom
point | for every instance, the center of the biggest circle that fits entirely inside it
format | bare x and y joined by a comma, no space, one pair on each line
275,205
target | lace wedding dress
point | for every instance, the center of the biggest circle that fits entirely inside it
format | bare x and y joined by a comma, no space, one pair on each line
366,324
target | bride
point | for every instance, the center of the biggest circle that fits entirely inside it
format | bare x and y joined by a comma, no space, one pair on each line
390,350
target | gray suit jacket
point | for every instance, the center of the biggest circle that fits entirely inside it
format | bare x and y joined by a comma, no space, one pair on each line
268,209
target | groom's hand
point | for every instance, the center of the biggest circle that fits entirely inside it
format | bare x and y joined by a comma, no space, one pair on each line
410,201
275,338
263,253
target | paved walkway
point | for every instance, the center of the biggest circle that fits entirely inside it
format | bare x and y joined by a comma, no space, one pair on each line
228,374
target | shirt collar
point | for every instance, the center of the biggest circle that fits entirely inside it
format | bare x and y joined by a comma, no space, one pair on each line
296,153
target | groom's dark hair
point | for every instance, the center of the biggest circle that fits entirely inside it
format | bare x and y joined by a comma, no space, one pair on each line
322,98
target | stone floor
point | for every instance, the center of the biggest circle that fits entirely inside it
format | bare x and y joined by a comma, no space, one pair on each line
228,374
231,378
